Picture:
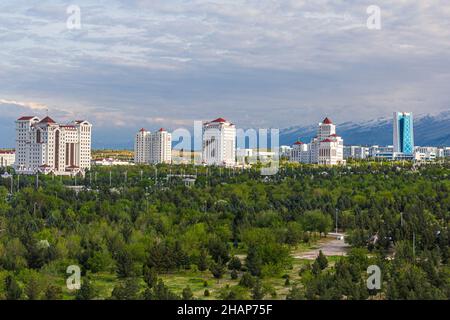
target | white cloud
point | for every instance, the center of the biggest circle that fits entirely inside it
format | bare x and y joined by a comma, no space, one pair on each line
258,62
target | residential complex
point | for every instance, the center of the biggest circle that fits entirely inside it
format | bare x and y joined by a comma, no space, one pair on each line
48,147
327,148
153,148
219,143
7,158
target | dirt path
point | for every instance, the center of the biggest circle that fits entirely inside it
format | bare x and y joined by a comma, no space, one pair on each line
330,246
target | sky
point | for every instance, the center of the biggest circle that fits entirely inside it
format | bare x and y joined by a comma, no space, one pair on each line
259,63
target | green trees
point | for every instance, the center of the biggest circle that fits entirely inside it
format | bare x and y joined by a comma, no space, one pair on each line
87,290
187,294
316,221
13,291
126,290
140,231
217,268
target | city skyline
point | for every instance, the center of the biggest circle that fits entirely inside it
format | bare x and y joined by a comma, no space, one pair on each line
166,64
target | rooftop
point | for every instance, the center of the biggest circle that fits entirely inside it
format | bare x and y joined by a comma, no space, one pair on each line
327,121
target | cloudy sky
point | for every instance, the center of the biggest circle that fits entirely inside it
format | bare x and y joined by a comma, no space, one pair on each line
260,63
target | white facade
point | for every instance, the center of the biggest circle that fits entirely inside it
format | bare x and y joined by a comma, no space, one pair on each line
46,146
285,151
301,152
356,152
142,147
153,148
327,148
377,151
7,159
109,162
447,152
426,153
219,143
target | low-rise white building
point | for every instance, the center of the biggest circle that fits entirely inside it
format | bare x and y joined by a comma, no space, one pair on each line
7,158
110,162
426,153
356,152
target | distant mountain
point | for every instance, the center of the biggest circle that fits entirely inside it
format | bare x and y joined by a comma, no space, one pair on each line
429,130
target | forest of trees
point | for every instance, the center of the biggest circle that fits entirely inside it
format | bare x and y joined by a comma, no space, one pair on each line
142,227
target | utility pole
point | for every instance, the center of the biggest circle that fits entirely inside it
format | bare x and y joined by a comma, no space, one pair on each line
414,246
18,182
37,180
336,220
110,179
12,184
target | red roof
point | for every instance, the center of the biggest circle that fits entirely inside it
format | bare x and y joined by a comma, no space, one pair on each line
221,120
142,130
26,118
334,135
327,121
47,120
298,143
162,129
327,140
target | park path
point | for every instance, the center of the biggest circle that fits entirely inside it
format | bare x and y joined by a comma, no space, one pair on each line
330,246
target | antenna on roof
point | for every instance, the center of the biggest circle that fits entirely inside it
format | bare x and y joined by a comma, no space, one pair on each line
46,111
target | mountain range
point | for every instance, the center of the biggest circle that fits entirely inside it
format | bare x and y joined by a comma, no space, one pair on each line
429,130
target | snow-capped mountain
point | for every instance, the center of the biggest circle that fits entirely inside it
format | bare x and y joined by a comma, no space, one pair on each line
429,130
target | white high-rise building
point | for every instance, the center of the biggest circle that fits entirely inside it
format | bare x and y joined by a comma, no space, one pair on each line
142,147
46,146
327,148
161,147
219,143
153,148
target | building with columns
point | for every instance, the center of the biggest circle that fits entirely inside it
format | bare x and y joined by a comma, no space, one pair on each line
153,148
48,147
219,143
326,148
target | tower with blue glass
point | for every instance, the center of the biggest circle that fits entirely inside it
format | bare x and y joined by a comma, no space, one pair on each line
403,133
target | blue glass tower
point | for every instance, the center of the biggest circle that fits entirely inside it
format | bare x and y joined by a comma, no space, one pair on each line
403,133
